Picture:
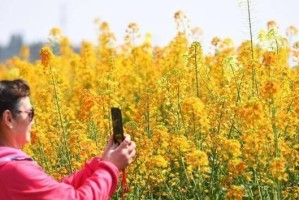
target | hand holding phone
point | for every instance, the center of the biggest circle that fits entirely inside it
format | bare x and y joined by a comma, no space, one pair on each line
117,125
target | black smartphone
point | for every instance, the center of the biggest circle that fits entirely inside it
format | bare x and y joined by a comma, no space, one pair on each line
117,125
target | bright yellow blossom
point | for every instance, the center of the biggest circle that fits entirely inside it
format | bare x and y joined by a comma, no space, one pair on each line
46,56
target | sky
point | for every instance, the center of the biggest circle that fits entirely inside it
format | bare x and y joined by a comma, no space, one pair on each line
223,18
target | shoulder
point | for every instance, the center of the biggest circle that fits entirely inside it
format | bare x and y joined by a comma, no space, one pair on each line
21,172
27,180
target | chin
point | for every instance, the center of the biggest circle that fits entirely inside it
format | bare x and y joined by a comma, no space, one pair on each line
28,138
26,141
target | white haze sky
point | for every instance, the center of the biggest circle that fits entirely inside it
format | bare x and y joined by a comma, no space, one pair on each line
223,18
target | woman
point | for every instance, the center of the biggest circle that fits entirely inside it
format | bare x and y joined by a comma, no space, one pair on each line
23,178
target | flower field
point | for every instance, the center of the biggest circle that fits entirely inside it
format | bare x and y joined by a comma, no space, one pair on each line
218,125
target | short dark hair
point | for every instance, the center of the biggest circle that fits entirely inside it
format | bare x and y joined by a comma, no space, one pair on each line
11,91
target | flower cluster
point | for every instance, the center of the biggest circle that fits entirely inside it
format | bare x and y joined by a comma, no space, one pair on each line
218,125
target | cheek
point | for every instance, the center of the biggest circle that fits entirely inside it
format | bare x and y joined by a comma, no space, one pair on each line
27,133
25,128
28,128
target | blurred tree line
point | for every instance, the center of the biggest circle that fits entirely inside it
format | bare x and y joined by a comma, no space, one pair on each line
13,48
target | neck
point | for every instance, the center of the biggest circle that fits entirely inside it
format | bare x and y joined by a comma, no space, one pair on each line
2,139
8,139
8,143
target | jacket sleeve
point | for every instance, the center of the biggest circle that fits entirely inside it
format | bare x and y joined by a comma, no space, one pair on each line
77,179
26,180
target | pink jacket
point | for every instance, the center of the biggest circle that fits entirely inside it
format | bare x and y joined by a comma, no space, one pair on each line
22,178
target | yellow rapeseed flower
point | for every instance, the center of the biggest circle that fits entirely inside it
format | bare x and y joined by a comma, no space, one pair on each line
55,31
235,192
46,56
278,168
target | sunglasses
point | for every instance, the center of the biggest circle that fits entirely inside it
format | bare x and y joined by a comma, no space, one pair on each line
29,112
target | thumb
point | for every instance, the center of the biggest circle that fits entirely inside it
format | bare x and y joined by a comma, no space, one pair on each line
110,141
125,142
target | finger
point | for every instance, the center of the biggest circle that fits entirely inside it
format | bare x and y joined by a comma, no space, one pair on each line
131,146
132,155
114,145
127,138
110,141
126,142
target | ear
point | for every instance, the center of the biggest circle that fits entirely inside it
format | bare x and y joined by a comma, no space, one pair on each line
7,118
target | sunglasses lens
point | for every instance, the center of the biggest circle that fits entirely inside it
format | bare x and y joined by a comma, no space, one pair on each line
31,114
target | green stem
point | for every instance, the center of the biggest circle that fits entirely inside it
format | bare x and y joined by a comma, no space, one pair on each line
250,28
61,121
169,191
196,73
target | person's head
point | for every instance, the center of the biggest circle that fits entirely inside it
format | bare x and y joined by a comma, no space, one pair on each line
16,113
